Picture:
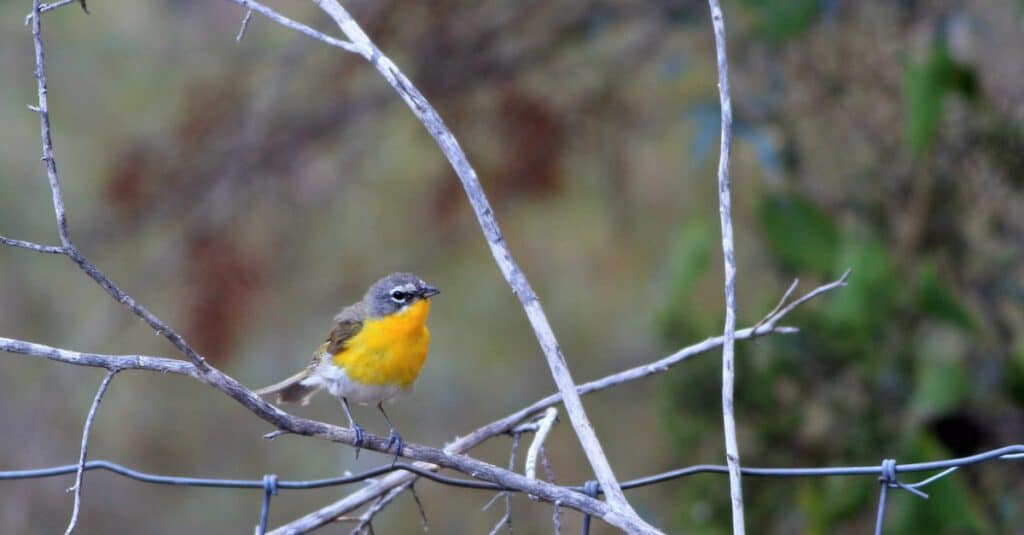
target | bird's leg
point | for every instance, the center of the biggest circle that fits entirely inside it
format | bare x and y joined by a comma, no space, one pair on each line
358,429
393,436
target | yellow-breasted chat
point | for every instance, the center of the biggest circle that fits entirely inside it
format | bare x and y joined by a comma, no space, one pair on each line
373,354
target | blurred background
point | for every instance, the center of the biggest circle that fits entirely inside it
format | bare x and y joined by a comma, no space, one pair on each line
244,192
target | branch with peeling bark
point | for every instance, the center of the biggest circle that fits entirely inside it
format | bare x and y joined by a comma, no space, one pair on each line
732,448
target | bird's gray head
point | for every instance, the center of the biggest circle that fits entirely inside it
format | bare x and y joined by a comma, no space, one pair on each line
395,292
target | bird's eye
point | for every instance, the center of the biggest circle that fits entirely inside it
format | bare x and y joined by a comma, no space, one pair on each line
399,296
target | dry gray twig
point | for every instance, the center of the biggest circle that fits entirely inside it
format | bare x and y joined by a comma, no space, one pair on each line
245,26
732,449
39,248
543,428
79,475
297,26
556,515
506,519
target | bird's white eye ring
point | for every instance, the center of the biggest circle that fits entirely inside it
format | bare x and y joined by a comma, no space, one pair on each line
398,296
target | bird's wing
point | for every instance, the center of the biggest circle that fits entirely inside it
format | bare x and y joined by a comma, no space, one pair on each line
343,331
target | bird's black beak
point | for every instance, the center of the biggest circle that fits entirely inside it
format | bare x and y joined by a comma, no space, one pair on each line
428,291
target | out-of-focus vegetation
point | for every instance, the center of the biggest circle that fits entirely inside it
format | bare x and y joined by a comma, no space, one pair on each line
245,192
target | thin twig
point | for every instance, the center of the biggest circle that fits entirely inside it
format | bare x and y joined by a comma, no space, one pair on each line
39,248
367,517
77,488
732,449
245,26
556,515
419,507
44,125
544,427
43,8
502,255
506,519
782,302
297,26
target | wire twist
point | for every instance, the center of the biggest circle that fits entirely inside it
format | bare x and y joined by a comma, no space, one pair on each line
269,489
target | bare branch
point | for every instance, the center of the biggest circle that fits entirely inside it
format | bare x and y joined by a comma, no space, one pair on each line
509,268
44,125
302,426
367,517
43,8
21,244
297,26
543,428
732,450
77,488
94,360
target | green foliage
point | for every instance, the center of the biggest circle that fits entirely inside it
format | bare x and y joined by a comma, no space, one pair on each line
826,502
798,233
936,299
925,87
780,20
873,290
1015,373
940,373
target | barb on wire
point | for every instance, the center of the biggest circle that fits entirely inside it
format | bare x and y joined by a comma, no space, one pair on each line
80,468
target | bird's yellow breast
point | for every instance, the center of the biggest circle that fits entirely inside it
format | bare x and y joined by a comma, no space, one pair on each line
389,350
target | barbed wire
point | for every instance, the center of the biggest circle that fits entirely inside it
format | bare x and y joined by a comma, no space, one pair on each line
887,472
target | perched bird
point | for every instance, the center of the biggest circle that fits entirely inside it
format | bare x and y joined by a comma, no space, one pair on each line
374,353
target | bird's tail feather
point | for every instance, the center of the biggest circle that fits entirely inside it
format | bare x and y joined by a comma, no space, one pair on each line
292,389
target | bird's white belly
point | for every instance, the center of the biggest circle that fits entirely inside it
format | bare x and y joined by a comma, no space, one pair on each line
337,382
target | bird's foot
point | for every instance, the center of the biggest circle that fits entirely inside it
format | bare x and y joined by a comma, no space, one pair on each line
399,443
360,437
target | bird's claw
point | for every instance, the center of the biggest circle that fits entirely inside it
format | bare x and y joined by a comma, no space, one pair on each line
360,436
399,443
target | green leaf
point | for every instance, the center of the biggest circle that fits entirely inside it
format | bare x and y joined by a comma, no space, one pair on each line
872,291
779,20
801,235
936,299
925,86
941,381
1015,373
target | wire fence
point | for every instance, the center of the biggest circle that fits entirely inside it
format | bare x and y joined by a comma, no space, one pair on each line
887,473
